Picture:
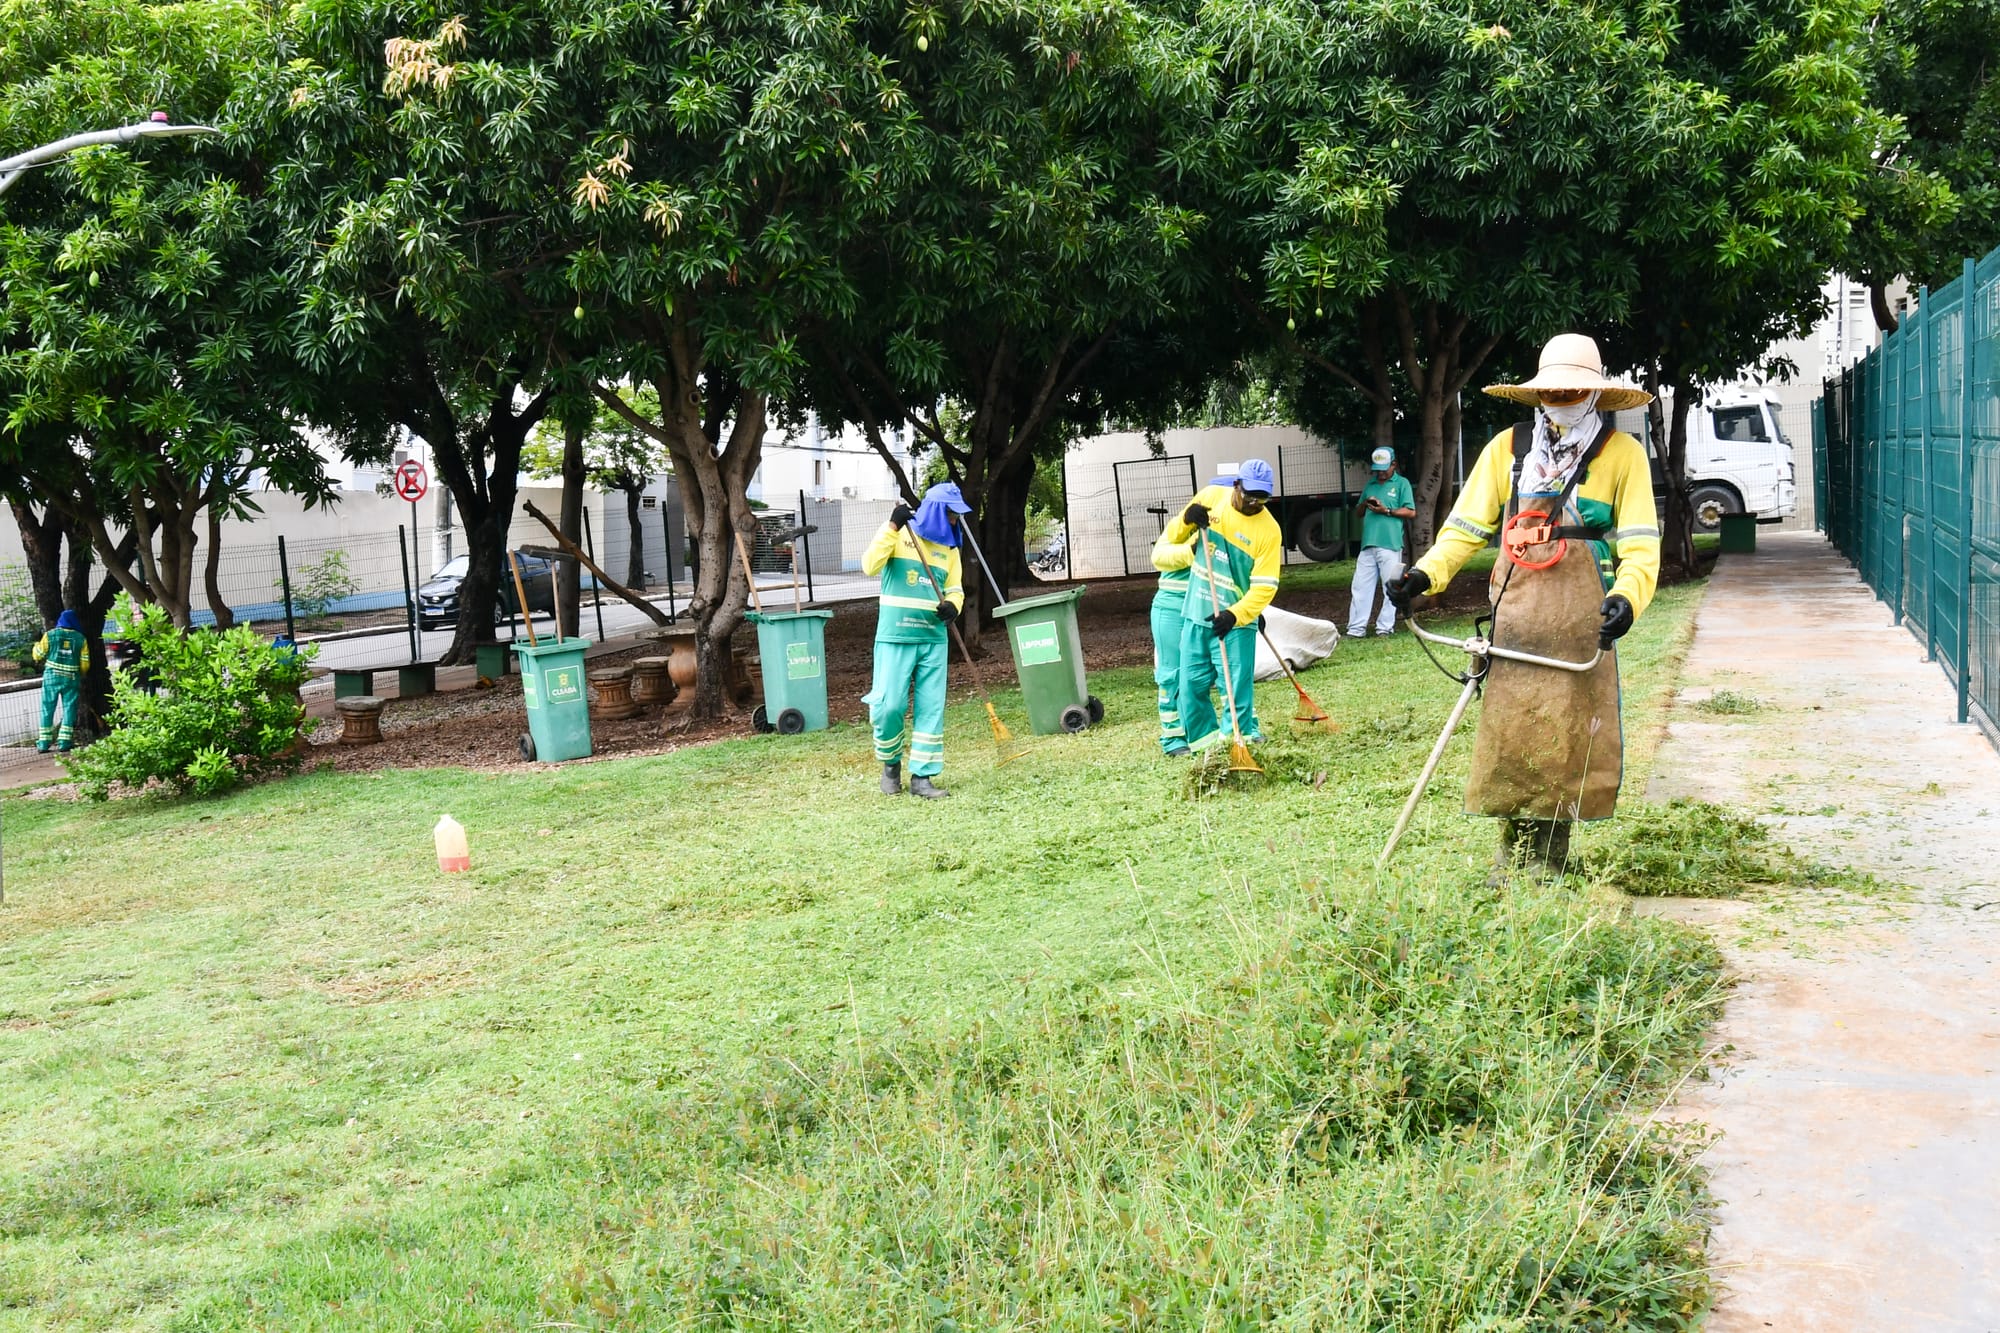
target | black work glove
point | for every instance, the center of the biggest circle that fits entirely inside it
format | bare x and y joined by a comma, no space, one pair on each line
1260,624
1222,622
1407,587
900,516
1197,515
1617,615
947,612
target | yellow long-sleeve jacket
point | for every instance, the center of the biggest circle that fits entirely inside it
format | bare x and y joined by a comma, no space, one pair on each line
1616,494
909,603
1246,559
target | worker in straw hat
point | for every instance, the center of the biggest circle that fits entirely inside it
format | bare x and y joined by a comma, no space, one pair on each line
1571,501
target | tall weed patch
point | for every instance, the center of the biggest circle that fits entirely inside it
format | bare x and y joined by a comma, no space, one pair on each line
1405,1107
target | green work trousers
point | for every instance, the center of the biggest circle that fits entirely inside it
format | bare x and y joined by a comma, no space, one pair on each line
60,693
1167,622
1201,672
903,669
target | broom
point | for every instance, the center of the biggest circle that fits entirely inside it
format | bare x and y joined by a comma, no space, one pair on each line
1240,759
1003,740
1309,712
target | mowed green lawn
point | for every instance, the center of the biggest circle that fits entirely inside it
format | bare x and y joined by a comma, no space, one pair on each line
727,1039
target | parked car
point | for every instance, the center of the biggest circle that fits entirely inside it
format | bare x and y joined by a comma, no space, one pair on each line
437,599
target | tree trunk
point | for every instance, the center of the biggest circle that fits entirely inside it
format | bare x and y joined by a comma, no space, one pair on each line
211,570
570,520
635,546
1678,538
41,544
1002,532
1878,301
1430,480
482,468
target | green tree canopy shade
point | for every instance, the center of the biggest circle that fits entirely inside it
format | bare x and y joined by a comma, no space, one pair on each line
660,199
143,327
1933,197
615,455
1036,265
1775,162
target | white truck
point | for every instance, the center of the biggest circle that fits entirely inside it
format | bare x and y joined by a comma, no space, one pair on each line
1739,460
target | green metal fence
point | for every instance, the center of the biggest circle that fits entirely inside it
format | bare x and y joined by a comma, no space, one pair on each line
1908,479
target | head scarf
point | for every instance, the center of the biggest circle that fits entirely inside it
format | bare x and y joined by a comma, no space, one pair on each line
67,620
933,517
1562,436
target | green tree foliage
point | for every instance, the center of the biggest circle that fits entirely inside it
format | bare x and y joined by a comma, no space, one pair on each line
615,455
143,329
1934,197
1037,265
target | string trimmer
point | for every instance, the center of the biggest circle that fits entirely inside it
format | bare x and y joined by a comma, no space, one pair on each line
1482,652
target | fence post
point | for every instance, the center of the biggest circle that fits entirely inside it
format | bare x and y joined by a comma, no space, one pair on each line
285,579
409,596
1926,349
807,541
1124,548
596,587
667,536
1967,301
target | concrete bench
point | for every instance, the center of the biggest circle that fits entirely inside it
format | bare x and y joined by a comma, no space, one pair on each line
417,678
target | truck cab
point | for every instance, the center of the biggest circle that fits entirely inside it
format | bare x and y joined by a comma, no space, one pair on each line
1739,460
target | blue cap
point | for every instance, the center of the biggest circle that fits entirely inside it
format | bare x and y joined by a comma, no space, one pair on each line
948,494
1256,475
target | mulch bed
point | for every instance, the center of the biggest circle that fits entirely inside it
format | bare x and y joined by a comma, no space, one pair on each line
479,728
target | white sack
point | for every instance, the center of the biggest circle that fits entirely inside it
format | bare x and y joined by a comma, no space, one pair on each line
1303,640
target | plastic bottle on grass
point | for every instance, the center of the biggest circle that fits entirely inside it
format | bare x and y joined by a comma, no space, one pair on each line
453,853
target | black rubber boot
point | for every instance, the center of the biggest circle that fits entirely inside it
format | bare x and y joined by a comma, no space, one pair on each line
927,789
892,780
1541,845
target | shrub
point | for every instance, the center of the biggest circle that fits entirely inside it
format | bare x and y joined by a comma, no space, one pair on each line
321,584
224,705
20,621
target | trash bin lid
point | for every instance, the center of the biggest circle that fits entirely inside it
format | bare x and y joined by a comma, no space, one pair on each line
1038,601
778,617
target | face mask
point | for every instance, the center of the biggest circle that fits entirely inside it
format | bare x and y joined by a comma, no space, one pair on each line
1570,414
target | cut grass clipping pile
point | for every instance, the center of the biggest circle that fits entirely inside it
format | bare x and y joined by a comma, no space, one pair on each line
723,1039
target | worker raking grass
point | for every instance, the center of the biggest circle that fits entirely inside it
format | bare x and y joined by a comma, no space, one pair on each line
916,553
1235,552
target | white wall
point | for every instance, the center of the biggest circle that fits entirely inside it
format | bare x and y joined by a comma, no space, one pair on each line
826,466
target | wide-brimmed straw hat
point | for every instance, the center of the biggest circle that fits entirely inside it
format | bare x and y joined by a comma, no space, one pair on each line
1571,361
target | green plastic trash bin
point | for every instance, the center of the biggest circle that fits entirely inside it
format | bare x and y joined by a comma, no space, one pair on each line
791,646
552,686
1739,534
1048,657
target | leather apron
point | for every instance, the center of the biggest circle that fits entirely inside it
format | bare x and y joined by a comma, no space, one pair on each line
1550,743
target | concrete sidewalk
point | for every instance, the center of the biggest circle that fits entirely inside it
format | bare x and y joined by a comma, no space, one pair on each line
1858,1169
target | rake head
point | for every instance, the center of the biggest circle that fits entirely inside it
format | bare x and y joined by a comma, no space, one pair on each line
1003,739
1240,758
1311,715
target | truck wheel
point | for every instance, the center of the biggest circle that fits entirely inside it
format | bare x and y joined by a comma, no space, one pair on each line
1315,535
1710,503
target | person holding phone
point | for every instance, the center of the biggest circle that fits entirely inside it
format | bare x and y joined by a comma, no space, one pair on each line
1386,502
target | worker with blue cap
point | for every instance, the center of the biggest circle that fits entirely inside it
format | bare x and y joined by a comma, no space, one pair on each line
1387,502
65,655
916,553
1234,552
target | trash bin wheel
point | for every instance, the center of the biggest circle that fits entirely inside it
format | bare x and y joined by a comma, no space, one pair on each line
527,744
791,722
1095,707
1075,718
760,720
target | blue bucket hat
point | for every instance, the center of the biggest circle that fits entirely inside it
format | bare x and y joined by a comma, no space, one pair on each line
933,517
1256,475
67,620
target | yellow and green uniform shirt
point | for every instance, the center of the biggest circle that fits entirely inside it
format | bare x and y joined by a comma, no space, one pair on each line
909,605
63,652
1615,495
1173,560
1247,550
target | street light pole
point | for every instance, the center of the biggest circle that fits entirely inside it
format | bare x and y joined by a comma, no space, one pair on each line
158,126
